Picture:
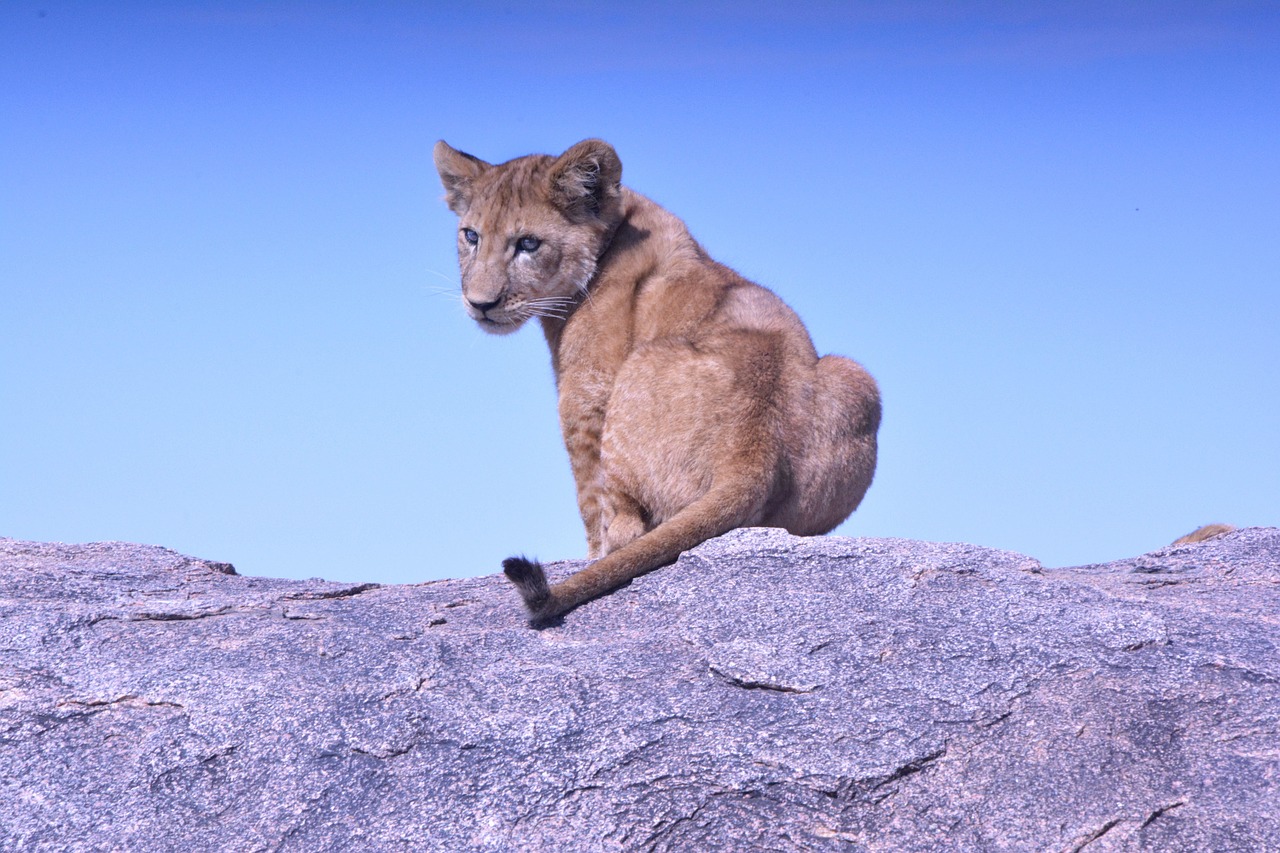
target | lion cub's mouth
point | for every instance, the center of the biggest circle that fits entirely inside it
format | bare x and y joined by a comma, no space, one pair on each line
498,327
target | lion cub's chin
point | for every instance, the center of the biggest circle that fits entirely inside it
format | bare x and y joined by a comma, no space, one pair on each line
493,327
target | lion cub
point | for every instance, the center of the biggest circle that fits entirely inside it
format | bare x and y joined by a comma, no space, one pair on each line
691,400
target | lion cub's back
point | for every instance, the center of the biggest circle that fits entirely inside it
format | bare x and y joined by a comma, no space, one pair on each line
749,306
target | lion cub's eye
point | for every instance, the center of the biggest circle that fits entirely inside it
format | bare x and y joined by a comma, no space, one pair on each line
528,244
470,236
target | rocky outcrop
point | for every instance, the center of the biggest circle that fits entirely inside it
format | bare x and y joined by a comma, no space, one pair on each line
764,693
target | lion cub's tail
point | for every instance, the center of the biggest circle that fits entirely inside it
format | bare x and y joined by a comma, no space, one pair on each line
720,510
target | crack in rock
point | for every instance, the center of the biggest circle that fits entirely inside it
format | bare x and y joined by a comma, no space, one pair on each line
128,700
165,615
753,664
760,683
330,594
911,768
1161,812
1083,841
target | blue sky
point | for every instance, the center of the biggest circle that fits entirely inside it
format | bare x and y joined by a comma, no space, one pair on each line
227,311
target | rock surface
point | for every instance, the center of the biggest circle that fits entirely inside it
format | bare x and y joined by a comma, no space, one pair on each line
765,693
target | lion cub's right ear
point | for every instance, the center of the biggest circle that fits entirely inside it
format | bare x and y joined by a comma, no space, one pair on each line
457,171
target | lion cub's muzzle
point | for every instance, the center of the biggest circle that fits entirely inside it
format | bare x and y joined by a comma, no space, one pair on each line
492,314
481,307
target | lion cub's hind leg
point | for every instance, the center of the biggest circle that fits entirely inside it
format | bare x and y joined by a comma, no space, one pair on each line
624,519
833,464
682,419
688,453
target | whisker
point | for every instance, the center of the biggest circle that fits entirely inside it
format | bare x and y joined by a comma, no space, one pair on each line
438,273
557,303
543,312
455,298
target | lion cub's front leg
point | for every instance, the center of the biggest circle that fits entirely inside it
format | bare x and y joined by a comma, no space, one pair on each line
582,427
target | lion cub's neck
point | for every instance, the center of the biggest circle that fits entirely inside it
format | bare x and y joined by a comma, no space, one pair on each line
650,249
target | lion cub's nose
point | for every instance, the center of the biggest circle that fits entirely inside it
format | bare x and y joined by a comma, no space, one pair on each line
483,306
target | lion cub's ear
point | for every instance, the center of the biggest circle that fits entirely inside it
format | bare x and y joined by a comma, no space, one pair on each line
585,180
457,171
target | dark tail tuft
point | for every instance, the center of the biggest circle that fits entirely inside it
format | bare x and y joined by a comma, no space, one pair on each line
530,581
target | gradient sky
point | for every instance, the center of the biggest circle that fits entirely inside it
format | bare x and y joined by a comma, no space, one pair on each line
228,310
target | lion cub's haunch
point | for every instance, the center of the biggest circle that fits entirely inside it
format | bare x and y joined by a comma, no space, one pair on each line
692,401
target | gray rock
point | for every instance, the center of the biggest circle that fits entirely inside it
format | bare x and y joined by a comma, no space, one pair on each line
765,693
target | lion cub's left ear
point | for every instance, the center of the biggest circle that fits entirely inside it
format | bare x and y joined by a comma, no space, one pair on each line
586,180
457,170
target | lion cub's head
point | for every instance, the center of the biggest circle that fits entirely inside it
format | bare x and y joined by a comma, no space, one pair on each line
530,230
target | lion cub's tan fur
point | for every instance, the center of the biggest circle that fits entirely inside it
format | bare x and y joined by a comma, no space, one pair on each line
692,401
1201,534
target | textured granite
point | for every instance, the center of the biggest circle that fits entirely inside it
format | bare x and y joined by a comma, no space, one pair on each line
765,693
